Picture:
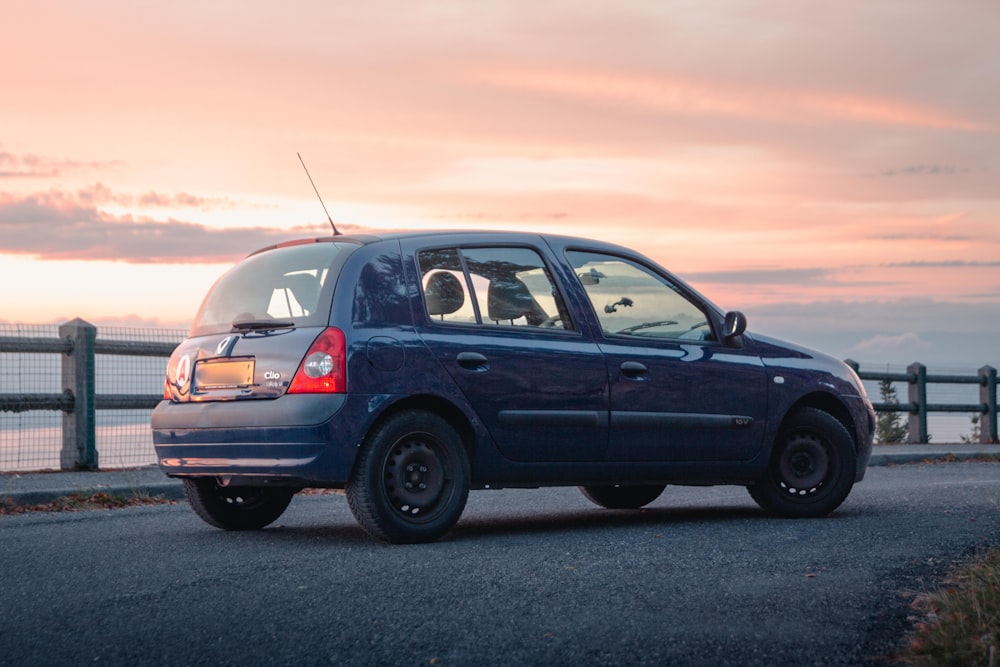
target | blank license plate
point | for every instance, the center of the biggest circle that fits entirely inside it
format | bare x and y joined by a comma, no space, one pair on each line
223,374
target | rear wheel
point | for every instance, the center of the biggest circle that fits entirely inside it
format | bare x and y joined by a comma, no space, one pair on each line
623,497
812,467
236,507
411,479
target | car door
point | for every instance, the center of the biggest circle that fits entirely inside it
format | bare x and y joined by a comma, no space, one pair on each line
498,324
677,393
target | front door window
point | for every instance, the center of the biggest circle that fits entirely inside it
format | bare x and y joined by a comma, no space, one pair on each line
631,300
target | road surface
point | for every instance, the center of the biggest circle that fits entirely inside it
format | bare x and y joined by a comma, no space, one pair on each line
527,577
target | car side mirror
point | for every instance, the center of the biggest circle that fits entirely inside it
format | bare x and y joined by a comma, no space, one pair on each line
735,324
592,277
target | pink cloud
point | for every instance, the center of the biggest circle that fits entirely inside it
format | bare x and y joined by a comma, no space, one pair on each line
64,226
35,166
703,96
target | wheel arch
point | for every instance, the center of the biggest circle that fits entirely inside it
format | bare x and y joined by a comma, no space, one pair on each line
829,404
440,407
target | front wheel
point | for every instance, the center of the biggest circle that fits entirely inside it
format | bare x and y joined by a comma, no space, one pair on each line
236,507
623,497
812,467
411,479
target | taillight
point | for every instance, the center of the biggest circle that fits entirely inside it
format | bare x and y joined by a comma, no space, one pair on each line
324,368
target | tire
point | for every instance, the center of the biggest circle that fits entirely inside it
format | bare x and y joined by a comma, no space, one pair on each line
411,479
236,507
812,467
623,497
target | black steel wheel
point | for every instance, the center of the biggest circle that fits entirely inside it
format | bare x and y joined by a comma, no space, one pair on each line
411,479
618,497
236,507
812,467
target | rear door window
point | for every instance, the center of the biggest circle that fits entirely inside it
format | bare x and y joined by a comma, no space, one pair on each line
494,286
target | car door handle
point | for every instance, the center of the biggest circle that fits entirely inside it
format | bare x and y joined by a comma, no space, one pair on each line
633,370
473,361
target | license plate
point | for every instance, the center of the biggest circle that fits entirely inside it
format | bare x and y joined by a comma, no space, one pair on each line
223,374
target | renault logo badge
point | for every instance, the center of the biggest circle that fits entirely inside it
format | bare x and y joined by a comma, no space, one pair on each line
223,347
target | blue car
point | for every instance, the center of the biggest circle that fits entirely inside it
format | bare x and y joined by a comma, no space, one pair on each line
407,369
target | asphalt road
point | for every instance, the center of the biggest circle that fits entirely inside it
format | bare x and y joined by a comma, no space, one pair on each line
527,577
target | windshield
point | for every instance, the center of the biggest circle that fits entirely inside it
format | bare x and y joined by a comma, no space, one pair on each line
283,287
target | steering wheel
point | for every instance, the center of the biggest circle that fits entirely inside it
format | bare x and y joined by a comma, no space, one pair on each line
550,322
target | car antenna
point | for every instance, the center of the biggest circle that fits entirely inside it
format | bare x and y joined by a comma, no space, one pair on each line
335,231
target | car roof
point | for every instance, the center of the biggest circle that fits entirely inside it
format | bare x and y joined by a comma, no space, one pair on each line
475,237
459,236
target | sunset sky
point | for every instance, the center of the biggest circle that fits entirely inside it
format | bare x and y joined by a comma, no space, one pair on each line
831,169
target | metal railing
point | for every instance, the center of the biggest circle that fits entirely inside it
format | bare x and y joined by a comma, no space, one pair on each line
78,347
917,406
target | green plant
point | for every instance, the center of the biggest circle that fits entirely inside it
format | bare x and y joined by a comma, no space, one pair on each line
889,426
975,433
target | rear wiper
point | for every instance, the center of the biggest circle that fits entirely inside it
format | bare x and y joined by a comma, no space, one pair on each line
261,325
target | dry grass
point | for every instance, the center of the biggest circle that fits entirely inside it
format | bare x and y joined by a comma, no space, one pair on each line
85,500
960,623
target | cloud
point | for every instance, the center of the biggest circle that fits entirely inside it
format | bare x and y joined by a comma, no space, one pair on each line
888,317
883,344
62,226
955,263
917,236
101,195
843,277
723,98
474,217
133,321
763,276
937,333
927,170
35,166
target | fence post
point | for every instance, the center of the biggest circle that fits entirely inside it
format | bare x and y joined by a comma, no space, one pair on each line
917,391
988,396
79,448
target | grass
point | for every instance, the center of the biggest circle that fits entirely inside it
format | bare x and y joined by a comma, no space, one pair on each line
951,458
85,500
977,458
960,623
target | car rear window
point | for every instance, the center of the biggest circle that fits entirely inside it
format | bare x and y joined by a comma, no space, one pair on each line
291,283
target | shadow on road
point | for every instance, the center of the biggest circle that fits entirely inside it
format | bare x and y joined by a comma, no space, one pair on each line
590,520
580,521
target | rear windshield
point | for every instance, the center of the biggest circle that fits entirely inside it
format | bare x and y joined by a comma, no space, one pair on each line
288,284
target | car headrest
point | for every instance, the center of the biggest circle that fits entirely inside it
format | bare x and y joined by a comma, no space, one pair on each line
444,294
305,288
508,299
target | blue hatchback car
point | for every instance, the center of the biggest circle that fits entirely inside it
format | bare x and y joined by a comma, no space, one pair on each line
410,368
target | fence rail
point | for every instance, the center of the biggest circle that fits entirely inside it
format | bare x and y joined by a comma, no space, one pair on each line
917,407
77,345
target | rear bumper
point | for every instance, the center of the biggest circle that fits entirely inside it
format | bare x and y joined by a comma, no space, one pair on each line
303,440
286,411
